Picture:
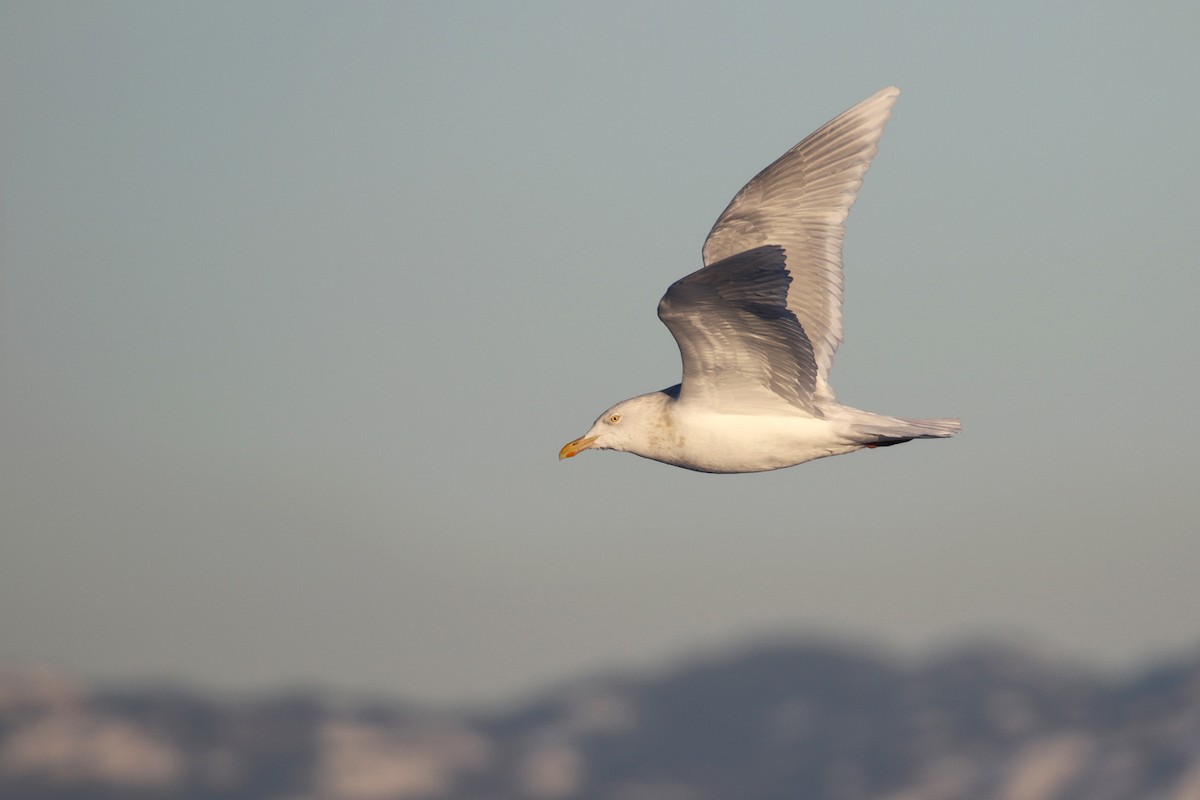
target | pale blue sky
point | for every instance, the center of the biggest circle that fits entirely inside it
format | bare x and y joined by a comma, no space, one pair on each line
299,302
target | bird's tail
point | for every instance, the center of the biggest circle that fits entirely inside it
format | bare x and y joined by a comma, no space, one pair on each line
880,431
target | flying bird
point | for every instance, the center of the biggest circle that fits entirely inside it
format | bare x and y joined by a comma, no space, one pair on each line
758,325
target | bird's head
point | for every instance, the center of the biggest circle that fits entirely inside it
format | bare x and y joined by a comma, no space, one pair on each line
628,426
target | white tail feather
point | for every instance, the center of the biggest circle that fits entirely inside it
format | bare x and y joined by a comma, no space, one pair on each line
890,430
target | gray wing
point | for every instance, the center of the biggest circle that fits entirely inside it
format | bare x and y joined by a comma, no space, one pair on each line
800,203
742,346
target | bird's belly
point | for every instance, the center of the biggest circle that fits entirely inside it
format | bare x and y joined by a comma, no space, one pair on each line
753,443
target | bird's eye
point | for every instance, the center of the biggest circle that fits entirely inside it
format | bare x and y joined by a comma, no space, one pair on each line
614,418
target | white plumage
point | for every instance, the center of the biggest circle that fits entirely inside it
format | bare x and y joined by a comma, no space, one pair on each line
758,325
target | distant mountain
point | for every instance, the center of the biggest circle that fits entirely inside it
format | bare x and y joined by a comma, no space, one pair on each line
785,722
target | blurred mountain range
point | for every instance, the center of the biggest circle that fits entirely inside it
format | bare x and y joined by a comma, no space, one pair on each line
795,721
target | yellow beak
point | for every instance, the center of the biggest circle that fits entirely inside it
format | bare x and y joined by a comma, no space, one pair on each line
576,447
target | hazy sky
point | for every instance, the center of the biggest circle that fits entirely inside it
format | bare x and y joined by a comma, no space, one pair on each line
299,302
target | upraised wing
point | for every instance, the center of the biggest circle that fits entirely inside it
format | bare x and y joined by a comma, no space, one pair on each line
800,204
742,347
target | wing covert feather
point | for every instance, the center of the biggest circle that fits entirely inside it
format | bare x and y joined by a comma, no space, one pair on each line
742,347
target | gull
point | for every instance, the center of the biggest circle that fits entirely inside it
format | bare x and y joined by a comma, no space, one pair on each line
758,325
